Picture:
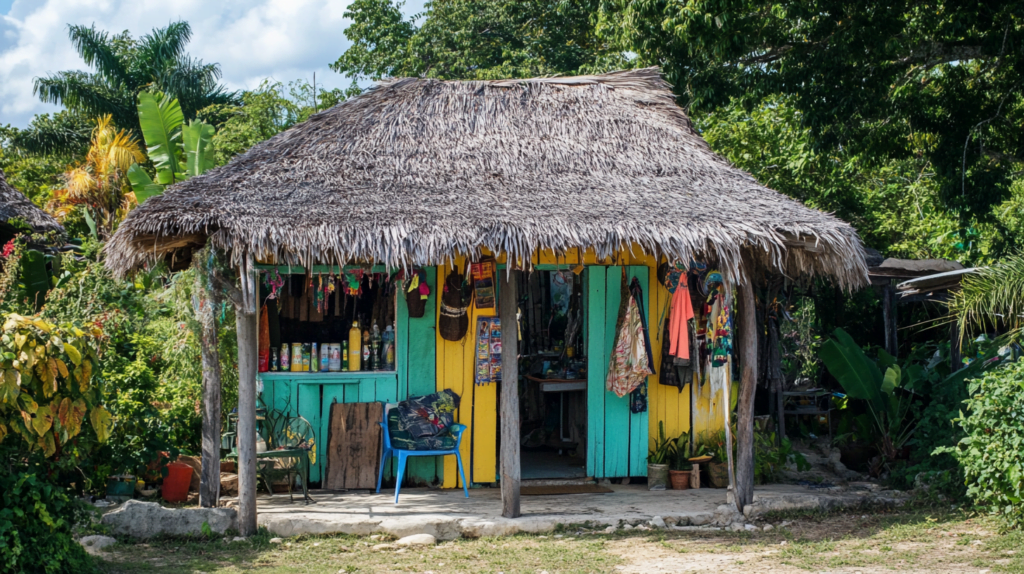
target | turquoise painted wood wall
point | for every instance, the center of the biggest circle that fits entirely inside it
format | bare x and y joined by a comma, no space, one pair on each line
311,395
616,438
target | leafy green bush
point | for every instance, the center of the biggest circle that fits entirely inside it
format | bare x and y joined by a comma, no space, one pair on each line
36,521
992,452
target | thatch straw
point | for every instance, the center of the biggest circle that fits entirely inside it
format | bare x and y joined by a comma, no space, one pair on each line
14,204
417,171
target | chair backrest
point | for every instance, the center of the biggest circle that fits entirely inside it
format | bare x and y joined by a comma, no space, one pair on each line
384,423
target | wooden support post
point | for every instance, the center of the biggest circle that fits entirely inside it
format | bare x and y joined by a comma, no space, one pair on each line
508,283
246,320
889,318
747,340
208,302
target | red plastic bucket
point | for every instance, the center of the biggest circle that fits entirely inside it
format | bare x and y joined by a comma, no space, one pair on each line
179,477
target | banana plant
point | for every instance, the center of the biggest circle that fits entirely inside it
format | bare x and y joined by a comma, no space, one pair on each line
177,151
864,379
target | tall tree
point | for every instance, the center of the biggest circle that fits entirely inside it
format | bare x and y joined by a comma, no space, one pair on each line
124,66
466,39
865,75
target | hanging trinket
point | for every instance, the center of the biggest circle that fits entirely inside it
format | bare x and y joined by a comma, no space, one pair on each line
273,281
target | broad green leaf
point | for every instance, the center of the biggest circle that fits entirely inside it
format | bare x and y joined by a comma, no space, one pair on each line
42,421
859,376
72,352
46,443
142,184
9,387
198,139
891,379
62,367
101,423
161,119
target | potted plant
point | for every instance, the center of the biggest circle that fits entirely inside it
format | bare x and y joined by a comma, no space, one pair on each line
658,459
718,469
682,469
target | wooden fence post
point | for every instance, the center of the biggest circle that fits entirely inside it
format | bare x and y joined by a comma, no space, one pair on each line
510,472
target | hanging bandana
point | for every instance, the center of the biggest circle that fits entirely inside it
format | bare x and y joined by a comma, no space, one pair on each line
273,281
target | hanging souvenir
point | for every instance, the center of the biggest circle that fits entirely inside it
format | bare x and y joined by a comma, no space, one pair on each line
456,297
483,283
273,281
630,363
417,291
488,350
354,282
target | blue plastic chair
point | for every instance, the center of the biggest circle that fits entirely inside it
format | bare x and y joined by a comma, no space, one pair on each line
403,455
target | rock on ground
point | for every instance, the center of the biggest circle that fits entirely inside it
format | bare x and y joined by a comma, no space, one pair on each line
94,544
417,540
658,522
148,519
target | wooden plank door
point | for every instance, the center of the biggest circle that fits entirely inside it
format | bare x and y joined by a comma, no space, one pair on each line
616,438
354,442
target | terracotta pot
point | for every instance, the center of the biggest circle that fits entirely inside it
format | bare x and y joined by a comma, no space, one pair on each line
718,473
657,476
680,479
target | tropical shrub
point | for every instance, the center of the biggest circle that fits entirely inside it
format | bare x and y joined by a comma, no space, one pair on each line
992,452
47,391
36,521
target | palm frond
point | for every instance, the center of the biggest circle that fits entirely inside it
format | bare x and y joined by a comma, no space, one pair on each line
95,48
991,299
163,46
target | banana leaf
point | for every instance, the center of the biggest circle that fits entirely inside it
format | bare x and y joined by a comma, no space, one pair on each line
198,138
142,185
859,376
161,119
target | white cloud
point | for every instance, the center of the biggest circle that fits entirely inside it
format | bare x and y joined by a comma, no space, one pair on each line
250,39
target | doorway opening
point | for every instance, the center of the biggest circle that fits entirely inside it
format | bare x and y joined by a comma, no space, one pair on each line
553,381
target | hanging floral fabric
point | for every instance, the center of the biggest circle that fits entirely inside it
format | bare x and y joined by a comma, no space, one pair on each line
273,281
717,310
630,363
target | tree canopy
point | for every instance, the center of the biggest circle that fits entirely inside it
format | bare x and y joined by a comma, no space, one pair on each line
872,77
124,66
466,39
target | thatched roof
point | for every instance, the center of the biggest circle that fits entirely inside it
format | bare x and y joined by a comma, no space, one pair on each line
14,204
416,171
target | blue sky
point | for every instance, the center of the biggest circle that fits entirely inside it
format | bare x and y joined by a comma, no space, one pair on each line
251,40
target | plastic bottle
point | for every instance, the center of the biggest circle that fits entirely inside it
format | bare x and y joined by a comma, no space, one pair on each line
366,366
375,342
354,338
344,355
389,349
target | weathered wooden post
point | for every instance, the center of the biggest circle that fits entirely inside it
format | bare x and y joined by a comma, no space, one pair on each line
206,302
247,332
508,283
889,319
744,492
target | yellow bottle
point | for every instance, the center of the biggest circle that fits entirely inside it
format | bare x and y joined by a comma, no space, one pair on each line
355,338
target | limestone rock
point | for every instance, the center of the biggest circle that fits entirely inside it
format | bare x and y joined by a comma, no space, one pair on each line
276,540
148,519
96,543
658,522
417,540
627,527
750,527
609,530
736,527
768,527
726,514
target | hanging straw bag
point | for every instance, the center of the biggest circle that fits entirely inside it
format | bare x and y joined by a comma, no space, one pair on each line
456,298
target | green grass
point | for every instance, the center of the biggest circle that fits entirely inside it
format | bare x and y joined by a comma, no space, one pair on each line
897,540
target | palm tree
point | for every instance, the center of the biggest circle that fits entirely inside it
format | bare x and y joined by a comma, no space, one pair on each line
124,66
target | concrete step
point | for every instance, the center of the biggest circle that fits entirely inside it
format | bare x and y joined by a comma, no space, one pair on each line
557,481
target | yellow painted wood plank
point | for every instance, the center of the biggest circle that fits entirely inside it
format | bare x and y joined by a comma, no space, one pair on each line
485,414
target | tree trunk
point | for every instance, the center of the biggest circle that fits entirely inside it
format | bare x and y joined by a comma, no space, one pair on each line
209,484
247,332
510,472
748,383
889,319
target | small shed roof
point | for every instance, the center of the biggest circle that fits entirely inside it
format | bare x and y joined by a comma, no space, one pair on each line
416,171
14,205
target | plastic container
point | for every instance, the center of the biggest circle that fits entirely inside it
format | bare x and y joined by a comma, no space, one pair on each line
355,338
179,477
119,489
